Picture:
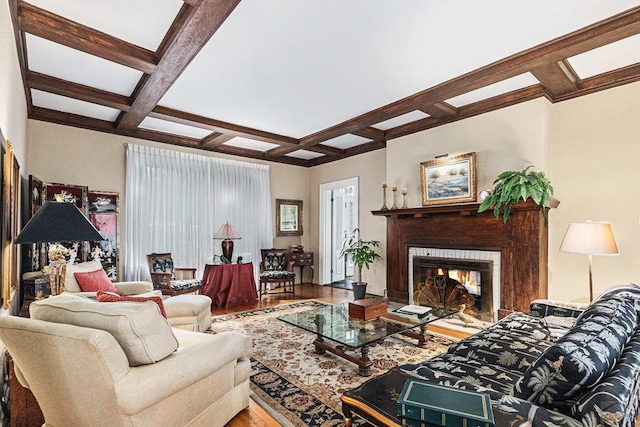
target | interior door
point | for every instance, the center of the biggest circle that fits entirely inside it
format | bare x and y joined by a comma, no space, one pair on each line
337,234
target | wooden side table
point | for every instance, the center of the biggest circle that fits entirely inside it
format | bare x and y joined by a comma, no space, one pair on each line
302,260
35,288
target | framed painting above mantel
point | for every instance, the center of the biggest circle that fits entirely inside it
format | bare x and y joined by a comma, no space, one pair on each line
449,180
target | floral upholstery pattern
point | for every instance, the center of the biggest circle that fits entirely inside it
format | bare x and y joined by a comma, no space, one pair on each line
579,359
166,265
274,266
589,377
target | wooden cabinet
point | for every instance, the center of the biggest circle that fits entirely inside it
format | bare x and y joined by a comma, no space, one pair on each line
302,260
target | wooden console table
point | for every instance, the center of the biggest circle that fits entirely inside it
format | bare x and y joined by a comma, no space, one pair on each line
302,260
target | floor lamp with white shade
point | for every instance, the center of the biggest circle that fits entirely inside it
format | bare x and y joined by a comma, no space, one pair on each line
589,238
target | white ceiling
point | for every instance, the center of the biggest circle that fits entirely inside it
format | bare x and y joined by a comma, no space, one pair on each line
296,67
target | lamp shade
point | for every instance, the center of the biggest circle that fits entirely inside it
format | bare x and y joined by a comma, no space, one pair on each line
227,232
58,222
589,238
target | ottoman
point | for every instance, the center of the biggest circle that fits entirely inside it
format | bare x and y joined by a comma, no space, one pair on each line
190,312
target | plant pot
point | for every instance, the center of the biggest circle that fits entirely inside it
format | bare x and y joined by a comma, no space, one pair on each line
359,290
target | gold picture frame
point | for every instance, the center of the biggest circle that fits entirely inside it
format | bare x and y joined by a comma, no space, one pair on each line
288,217
11,197
449,180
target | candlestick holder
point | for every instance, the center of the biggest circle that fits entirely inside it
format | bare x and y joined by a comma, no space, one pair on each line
404,199
394,190
384,197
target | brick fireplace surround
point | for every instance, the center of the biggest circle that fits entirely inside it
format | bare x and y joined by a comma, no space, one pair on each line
522,242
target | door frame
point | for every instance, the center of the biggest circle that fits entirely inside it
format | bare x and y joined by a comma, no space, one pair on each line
324,262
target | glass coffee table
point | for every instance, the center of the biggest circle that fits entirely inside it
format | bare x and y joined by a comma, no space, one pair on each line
350,338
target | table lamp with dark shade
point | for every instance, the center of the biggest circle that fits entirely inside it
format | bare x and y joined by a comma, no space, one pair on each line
57,222
227,234
589,238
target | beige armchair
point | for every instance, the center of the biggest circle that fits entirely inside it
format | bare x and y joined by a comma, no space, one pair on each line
135,370
125,288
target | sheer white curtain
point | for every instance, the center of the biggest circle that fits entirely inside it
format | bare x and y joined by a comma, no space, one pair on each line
175,202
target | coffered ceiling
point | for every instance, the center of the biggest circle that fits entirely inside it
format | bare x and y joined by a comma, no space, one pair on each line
307,82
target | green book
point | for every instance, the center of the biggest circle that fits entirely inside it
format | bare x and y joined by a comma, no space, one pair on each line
444,406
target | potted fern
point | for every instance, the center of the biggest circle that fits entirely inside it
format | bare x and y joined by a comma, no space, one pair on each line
511,186
363,254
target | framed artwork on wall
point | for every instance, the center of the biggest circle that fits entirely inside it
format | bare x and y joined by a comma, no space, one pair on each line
10,215
288,217
449,180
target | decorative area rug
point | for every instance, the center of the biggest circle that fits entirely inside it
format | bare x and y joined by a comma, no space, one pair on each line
299,385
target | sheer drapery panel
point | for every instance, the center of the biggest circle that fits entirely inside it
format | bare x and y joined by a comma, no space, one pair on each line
175,202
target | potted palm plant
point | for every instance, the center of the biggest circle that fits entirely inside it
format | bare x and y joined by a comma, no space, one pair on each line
511,186
363,253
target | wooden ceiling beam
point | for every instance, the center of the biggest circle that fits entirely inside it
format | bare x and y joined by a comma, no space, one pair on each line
203,21
21,49
77,91
480,107
325,149
616,28
58,29
608,80
440,110
353,151
177,116
216,139
370,133
559,78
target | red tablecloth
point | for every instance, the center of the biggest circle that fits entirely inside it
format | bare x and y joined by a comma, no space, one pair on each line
229,285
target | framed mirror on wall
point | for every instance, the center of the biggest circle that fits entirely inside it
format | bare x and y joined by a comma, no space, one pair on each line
288,217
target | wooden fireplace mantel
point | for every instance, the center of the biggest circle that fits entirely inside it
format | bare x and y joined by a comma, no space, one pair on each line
522,242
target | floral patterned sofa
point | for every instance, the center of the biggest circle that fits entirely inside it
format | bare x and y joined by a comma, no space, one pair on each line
589,376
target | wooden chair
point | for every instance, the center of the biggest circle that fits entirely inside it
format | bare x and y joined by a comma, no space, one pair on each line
274,269
171,280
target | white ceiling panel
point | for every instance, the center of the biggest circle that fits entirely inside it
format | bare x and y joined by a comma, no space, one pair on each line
69,64
305,154
170,127
74,106
607,58
311,65
409,117
141,22
346,141
517,82
250,144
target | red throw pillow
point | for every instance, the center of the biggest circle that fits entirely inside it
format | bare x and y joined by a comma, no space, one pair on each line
95,281
110,297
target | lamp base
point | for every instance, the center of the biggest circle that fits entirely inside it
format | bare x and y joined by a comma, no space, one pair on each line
227,249
57,273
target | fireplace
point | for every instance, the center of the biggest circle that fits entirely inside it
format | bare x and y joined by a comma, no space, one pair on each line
476,271
517,249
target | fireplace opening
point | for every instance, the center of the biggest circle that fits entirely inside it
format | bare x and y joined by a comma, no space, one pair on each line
451,282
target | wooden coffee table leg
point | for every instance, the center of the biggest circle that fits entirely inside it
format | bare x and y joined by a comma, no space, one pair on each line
363,361
364,368
422,336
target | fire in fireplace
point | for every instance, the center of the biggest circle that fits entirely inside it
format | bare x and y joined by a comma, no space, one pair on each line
452,282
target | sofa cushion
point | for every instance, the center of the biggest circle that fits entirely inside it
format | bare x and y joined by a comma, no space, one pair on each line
144,335
103,296
582,357
513,343
95,281
70,282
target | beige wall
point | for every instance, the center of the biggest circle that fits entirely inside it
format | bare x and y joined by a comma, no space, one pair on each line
67,155
13,106
594,151
370,169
